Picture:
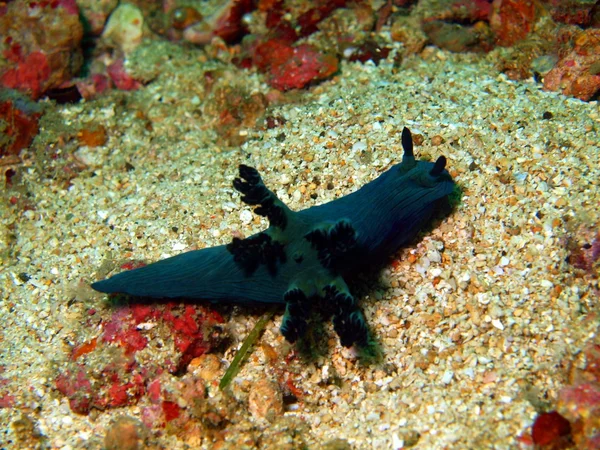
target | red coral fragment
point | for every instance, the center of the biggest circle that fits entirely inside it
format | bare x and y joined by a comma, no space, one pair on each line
230,25
171,410
30,74
123,331
154,391
550,428
306,64
512,20
83,349
586,256
576,73
7,401
121,79
77,388
69,5
134,264
124,380
118,394
580,402
370,50
191,331
123,394
273,52
574,12
585,396
17,129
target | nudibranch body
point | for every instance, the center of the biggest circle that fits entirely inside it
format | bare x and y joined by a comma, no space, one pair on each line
303,258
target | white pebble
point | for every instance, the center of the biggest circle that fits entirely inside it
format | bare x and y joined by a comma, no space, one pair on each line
359,146
246,217
447,377
434,256
397,443
496,323
179,246
435,272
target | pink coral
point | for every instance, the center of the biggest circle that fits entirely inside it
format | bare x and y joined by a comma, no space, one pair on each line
119,76
18,127
306,64
581,405
512,20
577,72
28,74
122,379
550,429
37,62
580,402
291,67
226,23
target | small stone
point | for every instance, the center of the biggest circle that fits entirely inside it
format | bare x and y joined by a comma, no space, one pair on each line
447,377
124,28
359,146
207,367
497,324
125,433
560,202
437,140
246,217
265,400
337,444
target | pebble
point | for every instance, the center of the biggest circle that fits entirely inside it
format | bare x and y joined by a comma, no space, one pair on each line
124,28
437,140
125,433
497,324
207,367
447,377
265,400
359,146
246,217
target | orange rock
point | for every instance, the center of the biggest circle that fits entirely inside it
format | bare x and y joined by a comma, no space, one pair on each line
93,137
511,20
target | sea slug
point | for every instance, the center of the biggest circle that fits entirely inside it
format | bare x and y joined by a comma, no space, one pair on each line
304,257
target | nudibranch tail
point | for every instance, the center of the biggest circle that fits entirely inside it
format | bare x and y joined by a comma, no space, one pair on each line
210,274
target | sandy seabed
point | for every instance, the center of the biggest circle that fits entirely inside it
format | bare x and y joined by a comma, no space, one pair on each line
479,320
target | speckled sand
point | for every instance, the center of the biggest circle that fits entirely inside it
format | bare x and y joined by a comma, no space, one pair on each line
478,320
